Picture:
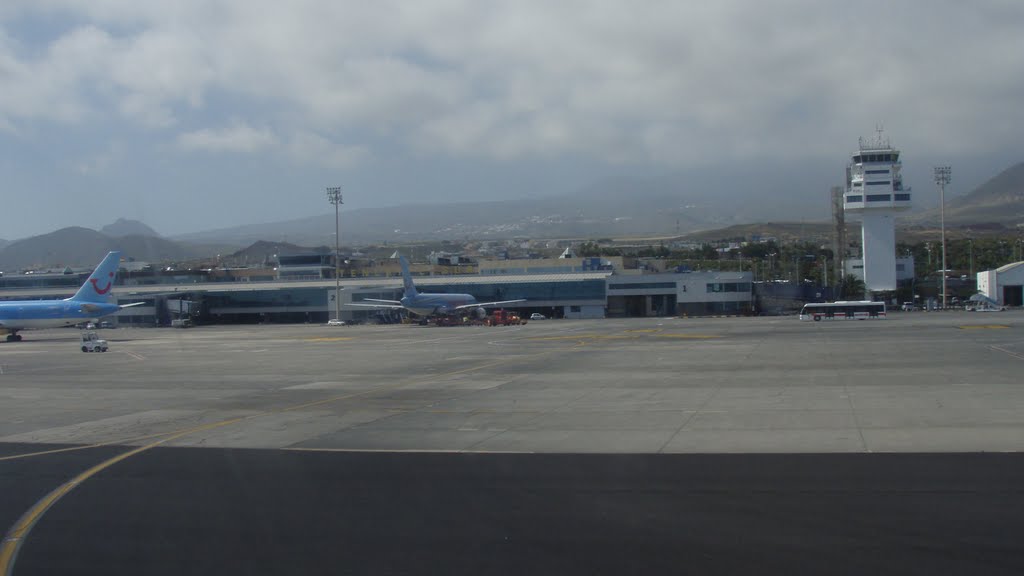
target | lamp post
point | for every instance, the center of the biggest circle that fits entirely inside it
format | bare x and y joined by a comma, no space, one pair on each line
334,197
970,248
942,177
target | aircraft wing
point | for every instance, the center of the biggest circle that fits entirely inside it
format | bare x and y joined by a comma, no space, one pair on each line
90,308
486,304
377,306
382,301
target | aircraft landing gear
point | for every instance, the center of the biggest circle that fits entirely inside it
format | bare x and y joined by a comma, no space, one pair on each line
14,337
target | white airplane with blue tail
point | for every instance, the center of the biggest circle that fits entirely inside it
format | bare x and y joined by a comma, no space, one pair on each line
434,304
90,303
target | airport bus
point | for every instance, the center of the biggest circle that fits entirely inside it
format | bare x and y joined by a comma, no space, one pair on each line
843,311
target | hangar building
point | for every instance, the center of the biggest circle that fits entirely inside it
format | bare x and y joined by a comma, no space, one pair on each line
1004,285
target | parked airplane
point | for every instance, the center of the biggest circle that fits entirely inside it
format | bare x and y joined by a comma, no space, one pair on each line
90,303
426,305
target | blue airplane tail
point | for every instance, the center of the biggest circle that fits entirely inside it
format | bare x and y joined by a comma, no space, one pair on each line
410,288
97,288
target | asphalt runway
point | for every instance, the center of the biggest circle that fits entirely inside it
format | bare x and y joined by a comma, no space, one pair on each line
639,446
236,511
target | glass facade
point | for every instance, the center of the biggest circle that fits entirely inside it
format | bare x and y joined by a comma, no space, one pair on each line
569,290
43,280
285,298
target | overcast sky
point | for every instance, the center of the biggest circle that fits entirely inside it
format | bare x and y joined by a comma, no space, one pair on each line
192,115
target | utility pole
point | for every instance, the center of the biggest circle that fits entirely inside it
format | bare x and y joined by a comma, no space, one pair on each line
970,244
838,234
942,178
334,197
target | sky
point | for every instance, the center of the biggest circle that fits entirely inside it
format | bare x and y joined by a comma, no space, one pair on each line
201,114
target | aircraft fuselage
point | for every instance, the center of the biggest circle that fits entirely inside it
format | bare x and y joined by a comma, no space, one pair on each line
32,314
435,304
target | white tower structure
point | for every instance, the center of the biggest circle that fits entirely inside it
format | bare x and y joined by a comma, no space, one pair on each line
875,194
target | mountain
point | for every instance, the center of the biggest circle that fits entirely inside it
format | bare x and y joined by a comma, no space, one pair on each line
782,232
615,207
3,243
76,246
263,251
125,227
1000,201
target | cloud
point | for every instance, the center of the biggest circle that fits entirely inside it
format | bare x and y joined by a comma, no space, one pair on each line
664,83
101,162
311,148
238,137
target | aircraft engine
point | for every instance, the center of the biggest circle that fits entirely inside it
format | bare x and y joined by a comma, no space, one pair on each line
480,313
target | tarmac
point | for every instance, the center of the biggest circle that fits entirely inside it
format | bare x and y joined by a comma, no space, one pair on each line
915,382
563,446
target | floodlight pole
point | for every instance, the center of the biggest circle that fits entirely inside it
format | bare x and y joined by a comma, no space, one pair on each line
334,197
970,244
942,177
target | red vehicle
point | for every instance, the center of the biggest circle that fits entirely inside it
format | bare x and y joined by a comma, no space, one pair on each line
504,318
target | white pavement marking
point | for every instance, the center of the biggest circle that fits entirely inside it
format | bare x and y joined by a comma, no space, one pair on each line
134,424
1001,349
318,386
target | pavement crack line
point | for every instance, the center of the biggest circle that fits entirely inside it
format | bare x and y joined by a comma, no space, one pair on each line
706,402
853,413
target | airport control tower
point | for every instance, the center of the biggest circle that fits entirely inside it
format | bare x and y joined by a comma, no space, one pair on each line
875,194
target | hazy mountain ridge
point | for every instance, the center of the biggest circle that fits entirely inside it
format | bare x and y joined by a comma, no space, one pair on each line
1000,200
81,247
614,207
126,227
262,252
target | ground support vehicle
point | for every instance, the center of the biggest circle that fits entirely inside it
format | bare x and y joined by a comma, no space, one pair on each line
91,342
504,318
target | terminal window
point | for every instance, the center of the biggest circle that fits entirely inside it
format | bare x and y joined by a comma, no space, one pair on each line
728,287
642,286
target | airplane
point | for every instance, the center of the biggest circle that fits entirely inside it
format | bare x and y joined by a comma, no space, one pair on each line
89,304
427,305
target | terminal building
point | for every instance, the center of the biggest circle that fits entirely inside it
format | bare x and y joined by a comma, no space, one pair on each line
597,290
